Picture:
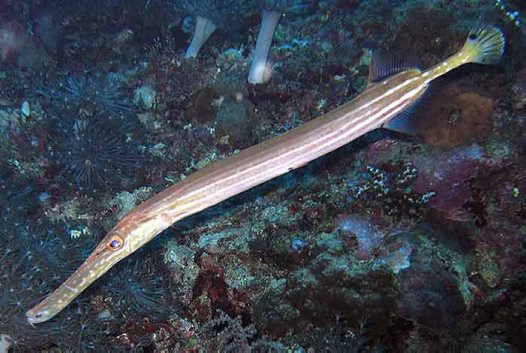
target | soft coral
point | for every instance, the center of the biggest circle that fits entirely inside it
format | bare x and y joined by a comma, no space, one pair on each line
271,14
211,14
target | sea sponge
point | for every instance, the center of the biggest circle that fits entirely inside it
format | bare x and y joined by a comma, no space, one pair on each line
455,116
234,120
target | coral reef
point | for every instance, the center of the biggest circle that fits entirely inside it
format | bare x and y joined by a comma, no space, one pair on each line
393,243
512,11
367,237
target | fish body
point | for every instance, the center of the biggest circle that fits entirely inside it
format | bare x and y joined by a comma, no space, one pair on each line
377,105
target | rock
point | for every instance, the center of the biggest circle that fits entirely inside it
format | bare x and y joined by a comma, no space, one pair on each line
145,97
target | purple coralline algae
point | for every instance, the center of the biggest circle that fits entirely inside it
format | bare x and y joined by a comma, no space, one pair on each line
447,177
365,233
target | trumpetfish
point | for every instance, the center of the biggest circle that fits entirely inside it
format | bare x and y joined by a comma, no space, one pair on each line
382,100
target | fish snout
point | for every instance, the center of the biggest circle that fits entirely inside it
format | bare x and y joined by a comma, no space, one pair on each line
37,315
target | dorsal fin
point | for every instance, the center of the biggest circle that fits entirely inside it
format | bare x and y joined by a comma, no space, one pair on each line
385,64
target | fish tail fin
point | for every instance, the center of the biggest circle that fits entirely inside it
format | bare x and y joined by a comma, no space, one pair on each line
484,45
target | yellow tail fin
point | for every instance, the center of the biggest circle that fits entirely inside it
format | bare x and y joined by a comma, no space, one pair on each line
484,45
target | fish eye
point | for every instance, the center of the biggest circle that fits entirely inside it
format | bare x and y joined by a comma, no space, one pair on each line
116,242
472,36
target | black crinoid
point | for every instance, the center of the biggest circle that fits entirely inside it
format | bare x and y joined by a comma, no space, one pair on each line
93,153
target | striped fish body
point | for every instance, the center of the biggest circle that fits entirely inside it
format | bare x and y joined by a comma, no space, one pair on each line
370,110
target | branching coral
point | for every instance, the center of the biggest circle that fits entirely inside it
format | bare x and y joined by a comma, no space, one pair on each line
226,334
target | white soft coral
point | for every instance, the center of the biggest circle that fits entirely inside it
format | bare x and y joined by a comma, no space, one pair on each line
261,70
203,30
212,14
